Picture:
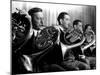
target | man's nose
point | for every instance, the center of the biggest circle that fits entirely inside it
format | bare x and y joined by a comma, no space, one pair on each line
69,23
41,22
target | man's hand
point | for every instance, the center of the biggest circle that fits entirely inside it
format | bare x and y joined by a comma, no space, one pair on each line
82,56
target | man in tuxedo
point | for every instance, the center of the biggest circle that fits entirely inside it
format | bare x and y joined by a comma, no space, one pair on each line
37,23
78,26
24,62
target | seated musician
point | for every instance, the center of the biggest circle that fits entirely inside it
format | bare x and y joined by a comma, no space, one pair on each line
90,41
78,26
88,47
25,62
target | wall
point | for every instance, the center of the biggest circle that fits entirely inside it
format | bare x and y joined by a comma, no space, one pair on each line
85,13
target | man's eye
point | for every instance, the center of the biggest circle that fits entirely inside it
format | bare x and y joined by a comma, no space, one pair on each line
37,18
67,19
42,18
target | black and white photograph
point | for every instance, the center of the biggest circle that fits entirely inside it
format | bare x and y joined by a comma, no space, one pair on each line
52,37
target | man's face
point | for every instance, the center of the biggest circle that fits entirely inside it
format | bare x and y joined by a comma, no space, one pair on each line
66,21
38,19
89,35
89,28
79,26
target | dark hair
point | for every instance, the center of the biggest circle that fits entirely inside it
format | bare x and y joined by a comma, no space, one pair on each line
61,16
34,10
75,22
86,26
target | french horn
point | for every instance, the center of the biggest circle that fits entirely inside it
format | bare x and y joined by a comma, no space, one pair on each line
72,39
47,37
21,29
90,40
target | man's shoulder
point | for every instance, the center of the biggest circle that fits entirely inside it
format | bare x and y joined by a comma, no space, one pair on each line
58,27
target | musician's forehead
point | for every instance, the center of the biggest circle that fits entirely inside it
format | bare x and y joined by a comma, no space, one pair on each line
89,27
38,14
80,23
67,16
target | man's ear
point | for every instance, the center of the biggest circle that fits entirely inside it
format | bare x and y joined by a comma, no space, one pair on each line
75,26
61,21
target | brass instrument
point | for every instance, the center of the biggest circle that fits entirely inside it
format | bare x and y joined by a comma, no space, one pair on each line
72,39
90,40
21,28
